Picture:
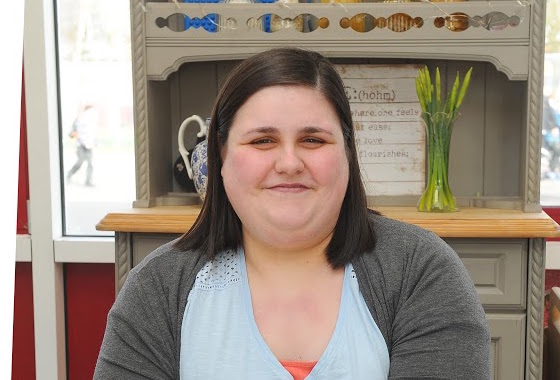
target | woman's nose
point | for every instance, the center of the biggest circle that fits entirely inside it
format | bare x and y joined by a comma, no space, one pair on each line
289,161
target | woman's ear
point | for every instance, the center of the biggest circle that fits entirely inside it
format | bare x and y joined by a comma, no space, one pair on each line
223,153
221,158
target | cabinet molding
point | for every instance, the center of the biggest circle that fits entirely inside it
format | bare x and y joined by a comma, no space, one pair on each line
137,11
534,107
123,262
498,268
507,341
535,309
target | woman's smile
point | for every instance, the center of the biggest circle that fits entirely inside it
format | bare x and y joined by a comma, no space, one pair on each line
289,188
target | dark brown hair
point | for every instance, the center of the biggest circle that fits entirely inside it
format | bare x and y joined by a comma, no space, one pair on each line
218,228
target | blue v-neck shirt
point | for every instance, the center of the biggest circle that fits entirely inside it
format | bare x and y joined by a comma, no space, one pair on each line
220,338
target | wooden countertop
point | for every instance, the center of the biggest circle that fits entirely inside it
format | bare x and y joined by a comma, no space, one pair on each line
466,223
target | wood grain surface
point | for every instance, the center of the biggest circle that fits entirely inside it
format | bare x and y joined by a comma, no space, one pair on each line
466,223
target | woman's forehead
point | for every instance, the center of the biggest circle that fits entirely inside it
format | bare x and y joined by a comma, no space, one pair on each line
285,103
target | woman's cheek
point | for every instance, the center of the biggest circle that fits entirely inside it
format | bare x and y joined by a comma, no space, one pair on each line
331,167
247,167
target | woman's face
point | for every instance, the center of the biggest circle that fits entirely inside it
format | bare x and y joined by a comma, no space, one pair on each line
285,169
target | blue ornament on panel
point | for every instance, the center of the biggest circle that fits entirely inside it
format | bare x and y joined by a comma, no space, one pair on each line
200,170
196,164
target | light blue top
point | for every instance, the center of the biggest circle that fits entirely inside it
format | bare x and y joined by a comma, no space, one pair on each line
220,338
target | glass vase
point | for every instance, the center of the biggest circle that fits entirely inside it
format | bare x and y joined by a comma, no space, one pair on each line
437,196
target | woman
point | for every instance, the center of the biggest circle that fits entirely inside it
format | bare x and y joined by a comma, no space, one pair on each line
286,274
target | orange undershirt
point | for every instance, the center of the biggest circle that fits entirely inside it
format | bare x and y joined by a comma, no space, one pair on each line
299,370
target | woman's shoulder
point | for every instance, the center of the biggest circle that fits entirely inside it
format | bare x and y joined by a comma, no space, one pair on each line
404,238
405,252
144,323
418,290
167,270
168,258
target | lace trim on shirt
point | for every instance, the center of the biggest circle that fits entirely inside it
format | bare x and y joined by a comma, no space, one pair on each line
217,274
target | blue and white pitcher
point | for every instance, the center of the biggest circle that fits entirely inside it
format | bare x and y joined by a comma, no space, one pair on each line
197,169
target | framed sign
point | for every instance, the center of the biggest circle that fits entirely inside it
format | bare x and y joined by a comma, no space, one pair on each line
389,131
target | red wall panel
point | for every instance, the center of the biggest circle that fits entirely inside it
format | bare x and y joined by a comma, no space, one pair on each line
23,343
90,293
23,351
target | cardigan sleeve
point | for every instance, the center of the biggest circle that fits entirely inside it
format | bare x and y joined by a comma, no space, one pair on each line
138,341
439,330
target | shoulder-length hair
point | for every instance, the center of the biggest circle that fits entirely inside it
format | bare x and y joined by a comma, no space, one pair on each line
218,227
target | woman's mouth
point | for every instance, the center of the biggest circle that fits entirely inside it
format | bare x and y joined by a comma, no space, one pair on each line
289,187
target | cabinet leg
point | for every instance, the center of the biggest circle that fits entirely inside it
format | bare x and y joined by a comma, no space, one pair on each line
123,259
535,309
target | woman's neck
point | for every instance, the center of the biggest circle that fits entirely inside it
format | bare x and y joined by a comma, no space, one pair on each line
272,262
296,295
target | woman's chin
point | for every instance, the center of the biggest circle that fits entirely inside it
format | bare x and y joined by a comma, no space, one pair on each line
295,232
284,220
290,226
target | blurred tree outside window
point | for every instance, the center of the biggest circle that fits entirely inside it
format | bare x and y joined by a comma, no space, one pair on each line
550,152
96,112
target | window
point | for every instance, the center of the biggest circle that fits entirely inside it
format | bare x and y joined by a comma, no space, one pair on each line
550,153
95,111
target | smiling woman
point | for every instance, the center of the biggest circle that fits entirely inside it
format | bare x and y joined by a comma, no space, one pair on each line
286,274
286,174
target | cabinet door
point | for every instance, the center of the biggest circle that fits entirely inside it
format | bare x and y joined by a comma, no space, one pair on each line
144,244
498,268
508,342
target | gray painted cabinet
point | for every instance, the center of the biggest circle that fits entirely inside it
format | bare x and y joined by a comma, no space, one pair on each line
495,152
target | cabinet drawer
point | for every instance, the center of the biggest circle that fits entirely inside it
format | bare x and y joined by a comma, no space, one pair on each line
507,347
144,244
498,268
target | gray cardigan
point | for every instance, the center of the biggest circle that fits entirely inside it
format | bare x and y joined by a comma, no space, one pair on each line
415,286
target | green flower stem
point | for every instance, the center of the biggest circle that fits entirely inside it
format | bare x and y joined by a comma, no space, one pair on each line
437,196
439,117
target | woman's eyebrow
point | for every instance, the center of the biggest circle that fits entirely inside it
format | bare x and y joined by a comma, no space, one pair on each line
261,130
309,129
316,130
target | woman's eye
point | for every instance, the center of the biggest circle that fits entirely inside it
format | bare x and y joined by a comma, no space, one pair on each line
262,141
312,141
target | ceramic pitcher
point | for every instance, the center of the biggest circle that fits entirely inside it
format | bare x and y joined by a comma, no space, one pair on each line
196,165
